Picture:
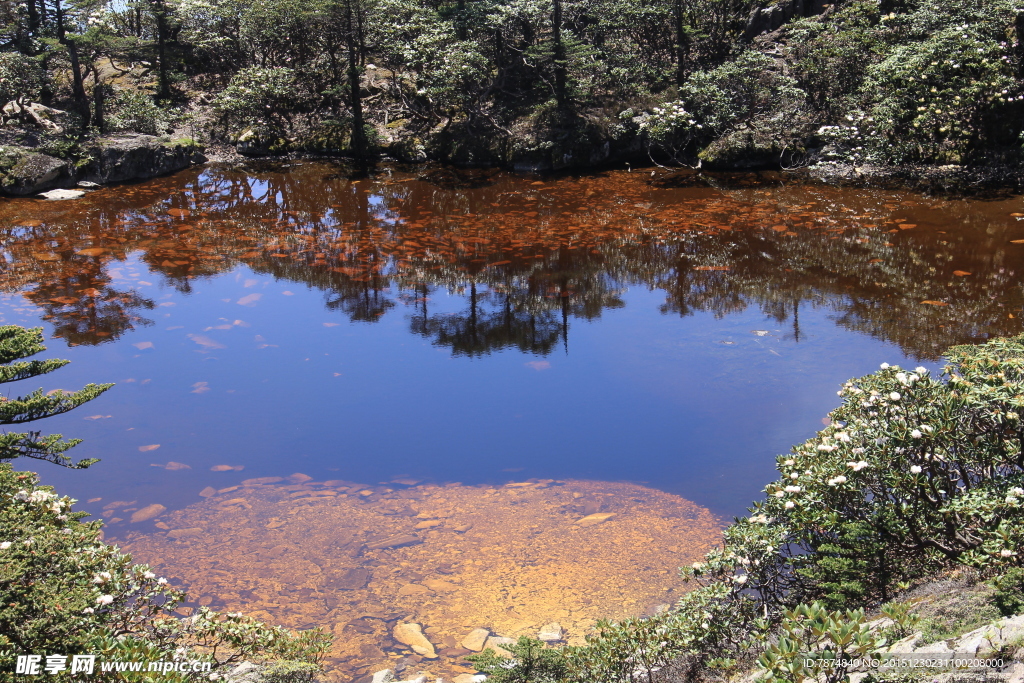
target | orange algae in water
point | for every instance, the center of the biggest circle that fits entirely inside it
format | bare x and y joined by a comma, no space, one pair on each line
360,561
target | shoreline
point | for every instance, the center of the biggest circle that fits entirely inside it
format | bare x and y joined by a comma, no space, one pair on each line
112,160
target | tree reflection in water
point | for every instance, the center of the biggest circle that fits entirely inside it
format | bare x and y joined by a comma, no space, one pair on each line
527,256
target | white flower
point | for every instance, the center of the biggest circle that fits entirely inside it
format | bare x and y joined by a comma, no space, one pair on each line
1016,490
901,378
857,466
843,436
770,549
921,370
895,396
794,475
835,481
916,433
740,579
826,447
1006,552
697,566
915,469
884,366
104,599
792,489
149,575
779,494
5,545
790,461
101,578
161,581
88,610
790,505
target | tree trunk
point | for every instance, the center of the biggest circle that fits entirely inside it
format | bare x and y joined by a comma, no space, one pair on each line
682,42
160,14
77,82
561,93
358,140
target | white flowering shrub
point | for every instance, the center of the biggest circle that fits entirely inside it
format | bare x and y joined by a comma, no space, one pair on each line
915,472
948,86
727,100
64,591
852,140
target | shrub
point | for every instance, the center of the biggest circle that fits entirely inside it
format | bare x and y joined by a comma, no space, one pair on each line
914,473
134,111
1009,595
531,662
21,78
66,592
946,90
748,95
259,98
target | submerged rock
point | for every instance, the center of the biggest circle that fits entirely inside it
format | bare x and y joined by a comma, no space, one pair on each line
412,635
148,512
551,633
475,639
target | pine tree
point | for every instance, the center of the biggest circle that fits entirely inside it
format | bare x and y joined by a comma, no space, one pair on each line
17,343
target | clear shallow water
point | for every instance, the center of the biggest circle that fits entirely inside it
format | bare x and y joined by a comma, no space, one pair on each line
483,328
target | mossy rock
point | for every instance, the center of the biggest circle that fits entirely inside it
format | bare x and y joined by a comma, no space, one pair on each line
24,172
261,143
327,137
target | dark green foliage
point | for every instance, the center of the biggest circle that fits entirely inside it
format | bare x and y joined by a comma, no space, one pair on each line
841,570
17,343
531,662
1009,595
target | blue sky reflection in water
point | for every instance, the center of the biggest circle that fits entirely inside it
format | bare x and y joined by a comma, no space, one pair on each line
483,327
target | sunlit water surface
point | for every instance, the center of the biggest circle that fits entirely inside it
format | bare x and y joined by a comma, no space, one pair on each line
420,329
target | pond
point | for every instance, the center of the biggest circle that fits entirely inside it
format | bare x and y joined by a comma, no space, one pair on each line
426,350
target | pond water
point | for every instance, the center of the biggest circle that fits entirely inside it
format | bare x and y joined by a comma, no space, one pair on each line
423,331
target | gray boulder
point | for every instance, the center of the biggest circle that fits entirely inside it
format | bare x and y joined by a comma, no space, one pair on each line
24,172
129,157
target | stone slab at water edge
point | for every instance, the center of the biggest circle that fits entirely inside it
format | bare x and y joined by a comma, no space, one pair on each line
26,170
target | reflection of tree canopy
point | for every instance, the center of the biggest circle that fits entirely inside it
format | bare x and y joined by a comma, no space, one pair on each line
527,256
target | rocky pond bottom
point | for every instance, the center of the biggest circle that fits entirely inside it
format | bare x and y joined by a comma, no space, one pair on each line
367,563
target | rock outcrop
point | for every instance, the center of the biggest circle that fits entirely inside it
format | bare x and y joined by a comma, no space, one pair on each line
26,171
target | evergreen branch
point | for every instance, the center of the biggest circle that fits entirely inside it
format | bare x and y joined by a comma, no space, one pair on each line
49,448
25,370
18,342
37,406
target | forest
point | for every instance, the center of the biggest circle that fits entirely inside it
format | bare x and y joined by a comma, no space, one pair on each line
530,84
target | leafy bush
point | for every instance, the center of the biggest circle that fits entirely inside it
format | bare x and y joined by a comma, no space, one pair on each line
66,592
915,473
21,78
1009,595
258,98
136,112
947,87
745,97
833,637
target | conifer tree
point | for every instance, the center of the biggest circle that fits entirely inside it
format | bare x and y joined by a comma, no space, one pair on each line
17,343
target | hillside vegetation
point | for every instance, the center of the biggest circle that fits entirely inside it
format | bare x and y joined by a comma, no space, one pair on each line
534,83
